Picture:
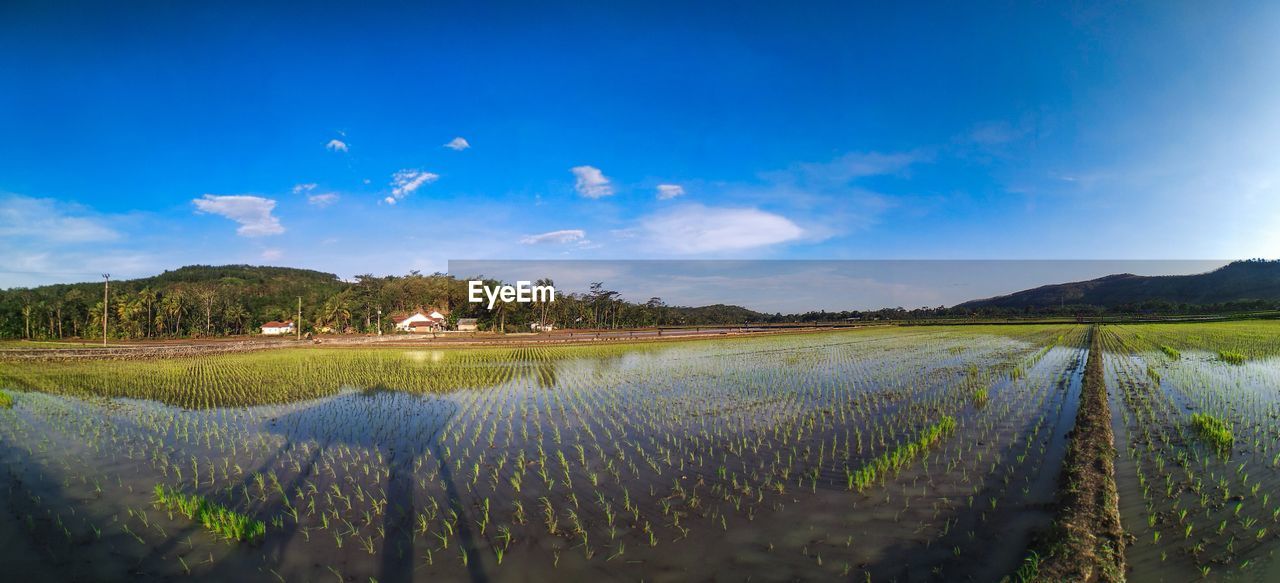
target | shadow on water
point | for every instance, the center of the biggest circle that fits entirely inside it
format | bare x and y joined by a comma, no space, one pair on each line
30,550
402,428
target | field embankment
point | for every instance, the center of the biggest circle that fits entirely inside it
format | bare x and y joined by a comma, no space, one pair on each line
1088,541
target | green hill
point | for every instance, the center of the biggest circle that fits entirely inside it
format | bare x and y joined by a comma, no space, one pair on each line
1248,281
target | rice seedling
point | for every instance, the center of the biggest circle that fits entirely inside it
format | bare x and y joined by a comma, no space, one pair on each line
1213,430
1231,357
218,519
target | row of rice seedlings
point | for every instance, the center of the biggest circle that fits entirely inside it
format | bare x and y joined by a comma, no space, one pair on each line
892,461
1246,339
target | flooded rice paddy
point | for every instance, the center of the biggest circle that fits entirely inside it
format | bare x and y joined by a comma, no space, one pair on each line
1197,507
887,454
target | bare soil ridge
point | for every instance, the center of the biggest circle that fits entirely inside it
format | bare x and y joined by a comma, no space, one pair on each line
1088,540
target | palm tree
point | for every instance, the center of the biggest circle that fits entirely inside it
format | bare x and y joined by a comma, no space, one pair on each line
335,312
171,308
148,297
542,306
236,314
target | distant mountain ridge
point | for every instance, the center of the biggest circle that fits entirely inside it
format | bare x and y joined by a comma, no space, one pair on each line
1238,281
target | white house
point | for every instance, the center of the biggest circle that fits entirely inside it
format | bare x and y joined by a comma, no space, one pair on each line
274,328
420,321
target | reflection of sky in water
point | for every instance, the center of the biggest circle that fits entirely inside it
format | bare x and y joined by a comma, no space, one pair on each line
377,418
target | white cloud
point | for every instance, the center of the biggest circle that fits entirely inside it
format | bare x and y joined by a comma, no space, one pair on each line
252,212
405,182
458,144
336,146
322,200
669,191
694,228
51,221
272,254
301,188
556,237
591,182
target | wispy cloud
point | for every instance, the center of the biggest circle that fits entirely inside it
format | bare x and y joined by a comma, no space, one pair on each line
253,213
322,200
853,165
993,133
694,229
669,191
556,237
406,182
272,254
591,182
301,188
336,145
458,144
51,221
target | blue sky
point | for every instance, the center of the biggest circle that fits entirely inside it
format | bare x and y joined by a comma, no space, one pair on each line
138,140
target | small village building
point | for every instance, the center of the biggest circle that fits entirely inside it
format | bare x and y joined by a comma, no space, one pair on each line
541,327
467,325
424,327
420,321
274,328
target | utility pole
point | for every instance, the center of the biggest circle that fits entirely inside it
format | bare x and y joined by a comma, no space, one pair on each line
106,295
379,321
298,322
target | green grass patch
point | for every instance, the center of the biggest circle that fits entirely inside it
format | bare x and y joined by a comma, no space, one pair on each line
1170,351
6,401
1231,357
1213,430
218,519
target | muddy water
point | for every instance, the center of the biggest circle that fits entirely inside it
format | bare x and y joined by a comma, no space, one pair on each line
706,461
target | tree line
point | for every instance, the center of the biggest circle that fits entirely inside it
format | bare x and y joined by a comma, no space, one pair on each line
228,300
209,301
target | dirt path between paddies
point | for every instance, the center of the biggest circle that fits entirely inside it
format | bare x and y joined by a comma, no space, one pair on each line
1087,541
